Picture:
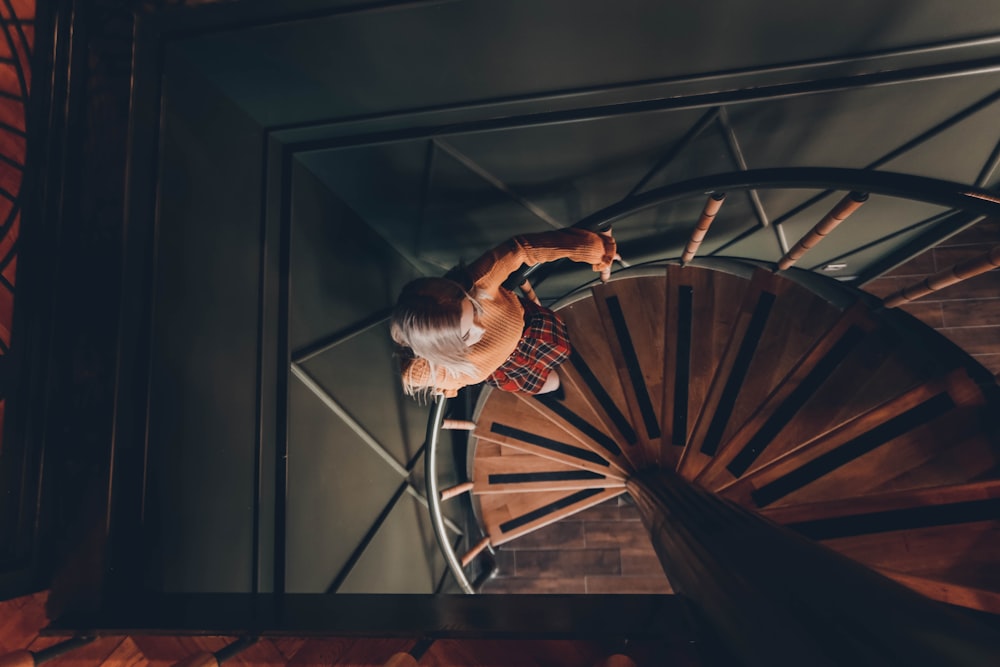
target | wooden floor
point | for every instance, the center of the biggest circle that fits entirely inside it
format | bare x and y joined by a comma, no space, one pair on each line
21,620
967,313
604,549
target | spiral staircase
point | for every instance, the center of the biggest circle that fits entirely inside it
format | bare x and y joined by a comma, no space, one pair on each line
797,397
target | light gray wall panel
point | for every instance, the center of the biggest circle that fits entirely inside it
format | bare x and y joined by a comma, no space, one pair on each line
337,487
362,375
403,557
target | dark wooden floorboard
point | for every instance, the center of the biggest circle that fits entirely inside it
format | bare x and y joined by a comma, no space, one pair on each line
967,313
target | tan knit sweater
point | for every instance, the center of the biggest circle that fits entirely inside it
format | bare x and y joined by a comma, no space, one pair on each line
502,317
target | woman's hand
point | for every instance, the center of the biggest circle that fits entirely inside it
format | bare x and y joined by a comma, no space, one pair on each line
610,255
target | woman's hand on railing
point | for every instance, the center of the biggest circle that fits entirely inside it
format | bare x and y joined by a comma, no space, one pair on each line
610,255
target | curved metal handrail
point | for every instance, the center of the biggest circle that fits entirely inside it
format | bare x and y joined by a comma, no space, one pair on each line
919,188
893,184
434,494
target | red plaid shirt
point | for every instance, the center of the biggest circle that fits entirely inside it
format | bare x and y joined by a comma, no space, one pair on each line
543,346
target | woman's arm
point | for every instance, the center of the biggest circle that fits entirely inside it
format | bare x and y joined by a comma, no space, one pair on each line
489,271
416,373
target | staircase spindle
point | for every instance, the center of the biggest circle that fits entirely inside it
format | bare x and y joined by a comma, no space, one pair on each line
956,274
843,210
458,425
456,490
475,551
708,214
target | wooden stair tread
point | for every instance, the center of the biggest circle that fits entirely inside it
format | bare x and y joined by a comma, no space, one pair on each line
754,310
821,392
574,415
948,592
514,471
885,377
962,553
507,420
790,393
949,448
785,332
590,372
885,502
782,346
708,302
633,311
862,454
511,515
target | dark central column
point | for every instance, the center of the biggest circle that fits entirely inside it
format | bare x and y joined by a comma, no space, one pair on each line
775,598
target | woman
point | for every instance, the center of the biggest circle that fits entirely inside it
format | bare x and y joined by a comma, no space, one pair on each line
466,328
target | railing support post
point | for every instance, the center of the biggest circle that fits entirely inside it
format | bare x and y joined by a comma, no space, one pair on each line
708,214
843,210
775,598
956,274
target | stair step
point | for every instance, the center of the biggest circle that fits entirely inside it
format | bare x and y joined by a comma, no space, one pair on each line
591,373
633,311
828,353
960,554
513,471
731,372
882,444
511,515
947,592
507,420
702,308
881,504
574,415
874,373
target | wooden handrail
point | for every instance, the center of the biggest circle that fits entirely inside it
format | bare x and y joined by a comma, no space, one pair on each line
708,214
475,551
851,202
456,490
956,274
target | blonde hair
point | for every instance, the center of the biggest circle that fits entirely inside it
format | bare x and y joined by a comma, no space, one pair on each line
427,324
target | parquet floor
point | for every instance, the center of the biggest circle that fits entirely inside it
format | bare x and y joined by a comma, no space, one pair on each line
23,618
604,549
967,313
